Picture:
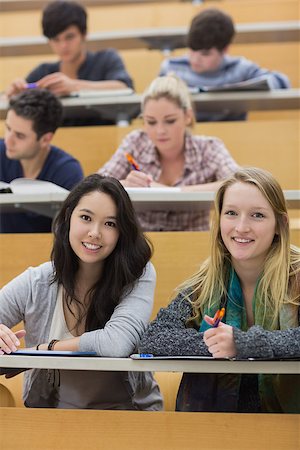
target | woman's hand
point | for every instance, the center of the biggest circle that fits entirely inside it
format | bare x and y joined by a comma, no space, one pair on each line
136,178
219,340
9,341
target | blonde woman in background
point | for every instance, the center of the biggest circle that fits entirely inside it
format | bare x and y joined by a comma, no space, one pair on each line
168,154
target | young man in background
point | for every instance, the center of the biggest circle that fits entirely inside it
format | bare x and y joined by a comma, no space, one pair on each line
26,151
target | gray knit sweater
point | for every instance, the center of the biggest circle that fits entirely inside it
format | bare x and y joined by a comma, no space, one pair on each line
168,335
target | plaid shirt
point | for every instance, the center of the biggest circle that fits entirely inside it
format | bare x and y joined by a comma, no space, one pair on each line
206,160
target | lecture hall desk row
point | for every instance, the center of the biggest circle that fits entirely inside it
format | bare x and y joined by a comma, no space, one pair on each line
282,56
141,15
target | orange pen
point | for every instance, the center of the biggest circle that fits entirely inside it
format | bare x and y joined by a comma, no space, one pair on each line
218,317
132,161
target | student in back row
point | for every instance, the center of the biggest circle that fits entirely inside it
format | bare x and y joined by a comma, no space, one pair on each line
168,154
207,63
26,151
65,25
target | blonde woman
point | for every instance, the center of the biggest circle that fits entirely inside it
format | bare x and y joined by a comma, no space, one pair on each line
168,154
254,273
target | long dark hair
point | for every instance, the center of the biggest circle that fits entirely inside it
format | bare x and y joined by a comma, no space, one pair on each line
122,267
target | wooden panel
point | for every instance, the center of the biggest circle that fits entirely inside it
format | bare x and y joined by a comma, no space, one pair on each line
86,430
107,18
92,146
6,397
14,387
168,385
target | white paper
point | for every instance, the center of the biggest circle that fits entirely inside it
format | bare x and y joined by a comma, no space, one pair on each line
29,186
152,189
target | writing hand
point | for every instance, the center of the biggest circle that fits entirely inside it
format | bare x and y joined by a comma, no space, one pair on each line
219,340
136,178
58,83
9,341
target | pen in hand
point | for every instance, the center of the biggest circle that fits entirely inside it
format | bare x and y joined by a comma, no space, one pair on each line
132,161
218,317
31,85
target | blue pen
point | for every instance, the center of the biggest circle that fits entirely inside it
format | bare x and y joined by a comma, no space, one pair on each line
146,355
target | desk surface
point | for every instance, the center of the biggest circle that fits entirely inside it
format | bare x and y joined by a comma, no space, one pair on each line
142,199
125,107
127,364
164,39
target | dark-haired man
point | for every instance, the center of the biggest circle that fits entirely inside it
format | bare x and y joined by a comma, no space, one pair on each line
64,23
208,64
26,151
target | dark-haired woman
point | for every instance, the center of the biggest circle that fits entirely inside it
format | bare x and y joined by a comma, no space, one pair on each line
96,294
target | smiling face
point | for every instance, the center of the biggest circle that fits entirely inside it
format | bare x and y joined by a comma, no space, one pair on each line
93,231
205,60
165,123
247,224
69,45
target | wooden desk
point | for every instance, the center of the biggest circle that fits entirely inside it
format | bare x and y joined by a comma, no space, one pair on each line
164,39
122,108
33,429
142,199
155,365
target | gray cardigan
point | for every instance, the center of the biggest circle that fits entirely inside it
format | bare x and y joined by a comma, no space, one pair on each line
31,298
168,335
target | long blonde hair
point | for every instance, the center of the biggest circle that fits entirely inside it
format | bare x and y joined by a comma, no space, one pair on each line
173,89
280,280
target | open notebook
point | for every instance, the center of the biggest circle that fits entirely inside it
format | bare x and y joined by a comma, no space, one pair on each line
29,186
91,93
256,84
150,357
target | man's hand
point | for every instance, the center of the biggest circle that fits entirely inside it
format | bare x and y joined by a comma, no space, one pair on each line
16,87
58,83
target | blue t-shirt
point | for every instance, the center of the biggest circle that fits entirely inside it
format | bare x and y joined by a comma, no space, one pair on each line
59,168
